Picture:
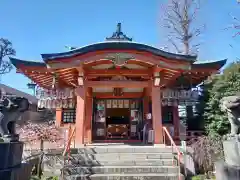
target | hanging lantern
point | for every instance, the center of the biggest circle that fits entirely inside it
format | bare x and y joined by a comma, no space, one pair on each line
48,104
39,103
169,103
54,104
65,103
44,102
164,102
54,81
175,102
72,103
80,80
71,93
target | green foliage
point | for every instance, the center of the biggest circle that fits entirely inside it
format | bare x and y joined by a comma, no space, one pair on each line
218,86
45,178
201,177
35,178
52,178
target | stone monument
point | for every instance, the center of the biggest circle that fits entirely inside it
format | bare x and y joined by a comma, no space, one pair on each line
11,149
230,168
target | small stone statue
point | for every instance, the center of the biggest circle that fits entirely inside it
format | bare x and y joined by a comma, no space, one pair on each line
12,108
231,105
229,168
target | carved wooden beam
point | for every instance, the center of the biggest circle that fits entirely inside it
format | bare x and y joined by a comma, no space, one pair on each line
114,72
117,84
108,95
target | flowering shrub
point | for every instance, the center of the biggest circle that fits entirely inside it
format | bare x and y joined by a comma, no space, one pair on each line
206,151
33,132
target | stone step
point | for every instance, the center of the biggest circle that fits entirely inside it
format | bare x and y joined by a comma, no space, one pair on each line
120,170
114,163
156,162
125,177
121,149
121,156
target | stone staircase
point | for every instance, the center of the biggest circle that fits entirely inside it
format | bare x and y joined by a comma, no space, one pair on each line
121,162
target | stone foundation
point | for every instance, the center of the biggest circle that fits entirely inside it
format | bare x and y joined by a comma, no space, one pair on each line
11,166
230,168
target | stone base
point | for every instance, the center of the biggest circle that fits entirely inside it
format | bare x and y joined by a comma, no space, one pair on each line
227,172
10,154
231,149
11,138
21,172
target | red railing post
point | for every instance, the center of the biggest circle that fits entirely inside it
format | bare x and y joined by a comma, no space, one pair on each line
173,145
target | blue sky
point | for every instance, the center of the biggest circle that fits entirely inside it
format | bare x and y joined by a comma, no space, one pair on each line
44,26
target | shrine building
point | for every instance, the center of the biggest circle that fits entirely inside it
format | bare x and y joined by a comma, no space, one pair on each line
107,90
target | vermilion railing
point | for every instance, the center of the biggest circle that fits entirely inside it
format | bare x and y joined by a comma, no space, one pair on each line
174,146
68,145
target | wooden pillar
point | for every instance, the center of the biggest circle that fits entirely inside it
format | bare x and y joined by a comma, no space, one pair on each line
58,121
157,115
176,120
88,116
80,116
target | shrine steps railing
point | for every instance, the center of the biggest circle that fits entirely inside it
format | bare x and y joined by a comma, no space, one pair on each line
175,149
67,148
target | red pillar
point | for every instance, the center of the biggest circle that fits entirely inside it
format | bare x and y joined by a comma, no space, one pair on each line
146,101
58,122
80,116
88,115
157,115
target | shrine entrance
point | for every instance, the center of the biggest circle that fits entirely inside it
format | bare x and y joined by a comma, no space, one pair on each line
117,123
117,120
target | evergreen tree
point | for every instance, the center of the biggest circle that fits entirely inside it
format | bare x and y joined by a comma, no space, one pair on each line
219,86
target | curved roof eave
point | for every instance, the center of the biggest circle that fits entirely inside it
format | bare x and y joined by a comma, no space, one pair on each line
16,62
116,45
212,64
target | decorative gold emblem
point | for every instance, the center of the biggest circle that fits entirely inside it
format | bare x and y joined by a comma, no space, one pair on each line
119,59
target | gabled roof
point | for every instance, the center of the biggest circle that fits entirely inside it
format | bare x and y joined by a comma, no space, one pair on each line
210,65
18,62
11,91
117,45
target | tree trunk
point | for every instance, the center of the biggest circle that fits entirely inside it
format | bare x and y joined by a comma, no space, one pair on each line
186,48
40,165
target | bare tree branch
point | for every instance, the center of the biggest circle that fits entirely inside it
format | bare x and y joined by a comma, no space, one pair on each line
234,26
174,44
179,19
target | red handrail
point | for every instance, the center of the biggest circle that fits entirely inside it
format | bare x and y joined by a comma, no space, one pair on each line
67,148
173,144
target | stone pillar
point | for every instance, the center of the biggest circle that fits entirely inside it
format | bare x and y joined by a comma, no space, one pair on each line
230,168
80,116
157,115
176,120
88,115
11,166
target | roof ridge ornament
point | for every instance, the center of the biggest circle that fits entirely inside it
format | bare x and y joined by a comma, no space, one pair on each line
70,48
118,35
